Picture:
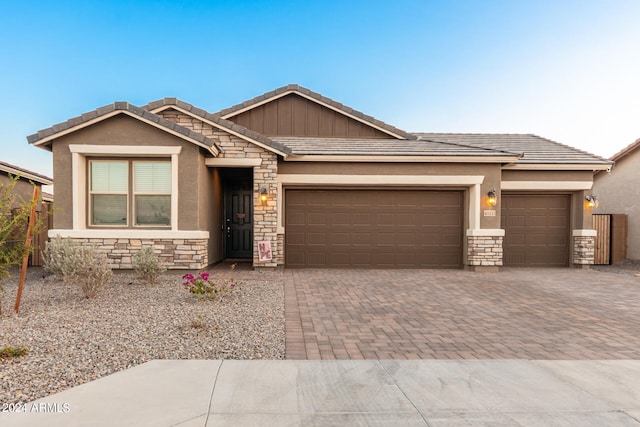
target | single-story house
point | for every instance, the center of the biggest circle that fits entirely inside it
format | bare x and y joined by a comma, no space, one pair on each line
292,178
24,189
618,192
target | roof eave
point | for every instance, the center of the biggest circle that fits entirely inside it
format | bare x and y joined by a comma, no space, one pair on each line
559,166
46,141
399,158
42,180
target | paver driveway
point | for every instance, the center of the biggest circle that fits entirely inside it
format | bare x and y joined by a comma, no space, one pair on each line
438,314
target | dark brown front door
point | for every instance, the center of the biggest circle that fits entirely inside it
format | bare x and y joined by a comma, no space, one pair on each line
536,230
239,220
373,228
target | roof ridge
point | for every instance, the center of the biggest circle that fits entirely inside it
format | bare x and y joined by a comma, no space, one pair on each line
319,98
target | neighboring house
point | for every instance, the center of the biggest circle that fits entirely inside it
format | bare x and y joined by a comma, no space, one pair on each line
618,192
24,188
296,179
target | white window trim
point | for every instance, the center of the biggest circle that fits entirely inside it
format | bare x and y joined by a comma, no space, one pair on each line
79,153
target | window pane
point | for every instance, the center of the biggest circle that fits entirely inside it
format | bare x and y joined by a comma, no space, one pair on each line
152,177
109,209
108,177
153,210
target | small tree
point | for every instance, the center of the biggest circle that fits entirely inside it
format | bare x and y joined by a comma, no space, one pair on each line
14,218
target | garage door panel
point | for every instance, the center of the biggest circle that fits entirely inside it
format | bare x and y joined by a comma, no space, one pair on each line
366,228
536,230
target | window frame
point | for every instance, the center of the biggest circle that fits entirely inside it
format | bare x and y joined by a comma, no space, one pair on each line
131,194
134,193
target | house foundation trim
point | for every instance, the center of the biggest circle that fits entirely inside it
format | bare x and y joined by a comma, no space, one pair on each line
129,234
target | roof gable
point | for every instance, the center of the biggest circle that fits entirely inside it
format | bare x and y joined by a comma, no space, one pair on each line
44,138
296,111
157,107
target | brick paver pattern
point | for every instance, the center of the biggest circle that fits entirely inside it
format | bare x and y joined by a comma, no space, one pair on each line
442,314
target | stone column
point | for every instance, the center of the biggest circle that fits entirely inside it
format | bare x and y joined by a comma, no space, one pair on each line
484,249
584,248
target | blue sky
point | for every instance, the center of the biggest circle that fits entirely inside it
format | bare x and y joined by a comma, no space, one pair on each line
567,70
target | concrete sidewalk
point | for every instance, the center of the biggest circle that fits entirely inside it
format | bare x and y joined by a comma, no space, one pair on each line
348,392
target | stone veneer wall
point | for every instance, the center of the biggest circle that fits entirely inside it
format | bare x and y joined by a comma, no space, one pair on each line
264,217
485,251
174,254
584,250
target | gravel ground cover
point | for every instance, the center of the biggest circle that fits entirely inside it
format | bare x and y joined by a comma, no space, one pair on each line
72,340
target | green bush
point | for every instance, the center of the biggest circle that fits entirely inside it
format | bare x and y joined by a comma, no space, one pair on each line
147,265
9,352
80,264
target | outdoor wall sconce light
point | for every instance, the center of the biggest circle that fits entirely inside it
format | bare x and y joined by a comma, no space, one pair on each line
591,201
492,197
264,195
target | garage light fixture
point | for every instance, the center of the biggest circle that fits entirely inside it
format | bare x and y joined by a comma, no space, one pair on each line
492,197
591,201
264,195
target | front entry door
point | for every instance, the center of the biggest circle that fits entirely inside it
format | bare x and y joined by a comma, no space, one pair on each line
239,220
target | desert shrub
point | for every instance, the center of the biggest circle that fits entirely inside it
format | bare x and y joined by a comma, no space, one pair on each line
147,265
80,264
89,269
57,255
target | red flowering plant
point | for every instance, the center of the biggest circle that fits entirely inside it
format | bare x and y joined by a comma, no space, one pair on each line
204,287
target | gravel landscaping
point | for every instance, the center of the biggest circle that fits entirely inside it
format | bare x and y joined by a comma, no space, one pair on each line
72,340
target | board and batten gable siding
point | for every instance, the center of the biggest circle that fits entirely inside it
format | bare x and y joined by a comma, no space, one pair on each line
124,130
293,115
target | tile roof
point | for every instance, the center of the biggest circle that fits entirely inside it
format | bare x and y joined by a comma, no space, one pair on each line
626,150
384,147
118,106
214,118
534,149
27,174
294,88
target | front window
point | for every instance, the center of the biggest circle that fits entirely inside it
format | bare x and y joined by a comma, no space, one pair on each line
122,189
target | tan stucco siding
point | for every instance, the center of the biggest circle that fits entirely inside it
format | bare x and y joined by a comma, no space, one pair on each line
124,130
23,188
490,172
619,193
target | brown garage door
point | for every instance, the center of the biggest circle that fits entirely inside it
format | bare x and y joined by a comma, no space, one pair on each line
373,228
536,230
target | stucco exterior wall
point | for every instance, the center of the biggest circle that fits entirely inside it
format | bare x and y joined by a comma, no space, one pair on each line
619,193
124,130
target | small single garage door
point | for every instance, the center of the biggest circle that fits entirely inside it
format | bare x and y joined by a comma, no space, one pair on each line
373,228
536,230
